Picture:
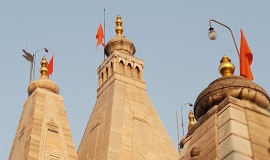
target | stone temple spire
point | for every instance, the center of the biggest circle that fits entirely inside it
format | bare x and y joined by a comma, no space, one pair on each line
43,131
124,124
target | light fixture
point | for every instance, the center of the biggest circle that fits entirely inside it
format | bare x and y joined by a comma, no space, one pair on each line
190,104
212,35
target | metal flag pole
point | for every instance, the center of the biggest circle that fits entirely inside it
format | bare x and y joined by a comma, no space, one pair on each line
104,35
29,57
31,71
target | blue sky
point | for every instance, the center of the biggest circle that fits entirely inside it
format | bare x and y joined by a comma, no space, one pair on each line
170,36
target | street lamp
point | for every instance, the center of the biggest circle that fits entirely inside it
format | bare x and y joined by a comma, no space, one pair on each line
212,34
34,55
190,104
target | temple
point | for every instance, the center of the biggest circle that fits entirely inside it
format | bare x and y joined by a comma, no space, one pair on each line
230,120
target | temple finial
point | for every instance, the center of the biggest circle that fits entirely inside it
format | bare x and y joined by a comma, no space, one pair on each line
191,119
44,69
226,67
119,29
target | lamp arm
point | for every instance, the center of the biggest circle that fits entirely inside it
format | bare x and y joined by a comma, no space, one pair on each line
34,61
229,30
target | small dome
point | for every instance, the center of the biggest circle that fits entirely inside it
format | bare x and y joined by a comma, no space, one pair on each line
43,82
235,86
119,42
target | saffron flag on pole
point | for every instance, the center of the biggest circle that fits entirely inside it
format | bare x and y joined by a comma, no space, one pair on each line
100,35
246,58
50,66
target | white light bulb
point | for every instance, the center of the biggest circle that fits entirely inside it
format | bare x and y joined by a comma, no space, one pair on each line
212,35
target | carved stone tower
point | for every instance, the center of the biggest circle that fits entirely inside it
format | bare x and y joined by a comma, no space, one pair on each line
124,123
43,131
233,120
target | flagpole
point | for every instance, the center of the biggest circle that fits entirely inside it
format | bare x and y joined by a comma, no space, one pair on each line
104,35
31,71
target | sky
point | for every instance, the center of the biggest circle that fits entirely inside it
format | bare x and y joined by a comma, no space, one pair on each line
170,36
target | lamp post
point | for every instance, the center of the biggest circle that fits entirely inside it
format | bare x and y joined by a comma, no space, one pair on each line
212,35
34,55
182,123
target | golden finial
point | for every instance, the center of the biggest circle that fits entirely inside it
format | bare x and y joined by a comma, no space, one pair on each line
119,29
44,69
226,67
191,119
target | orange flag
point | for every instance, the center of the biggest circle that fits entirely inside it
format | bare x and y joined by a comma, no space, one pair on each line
246,58
100,35
50,66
